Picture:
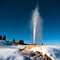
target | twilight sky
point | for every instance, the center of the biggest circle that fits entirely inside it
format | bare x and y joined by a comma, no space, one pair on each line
15,18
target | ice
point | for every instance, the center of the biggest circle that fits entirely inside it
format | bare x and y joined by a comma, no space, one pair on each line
10,53
52,51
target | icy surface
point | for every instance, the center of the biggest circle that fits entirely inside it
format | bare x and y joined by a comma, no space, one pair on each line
10,53
53,51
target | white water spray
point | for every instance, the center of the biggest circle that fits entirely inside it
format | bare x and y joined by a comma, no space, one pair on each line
37,25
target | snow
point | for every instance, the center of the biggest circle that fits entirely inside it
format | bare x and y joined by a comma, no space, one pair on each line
9,53
20,46
52,51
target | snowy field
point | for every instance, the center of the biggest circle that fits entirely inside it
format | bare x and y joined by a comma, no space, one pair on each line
53,51
9,53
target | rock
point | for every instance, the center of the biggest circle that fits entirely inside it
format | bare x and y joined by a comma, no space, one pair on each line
38,54
47,57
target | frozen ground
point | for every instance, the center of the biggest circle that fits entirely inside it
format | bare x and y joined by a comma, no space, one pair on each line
9,53
53,51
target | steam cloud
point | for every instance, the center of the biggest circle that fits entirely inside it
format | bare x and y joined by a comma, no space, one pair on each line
37,26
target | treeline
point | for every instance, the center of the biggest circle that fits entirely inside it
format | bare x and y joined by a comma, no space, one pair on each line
2,37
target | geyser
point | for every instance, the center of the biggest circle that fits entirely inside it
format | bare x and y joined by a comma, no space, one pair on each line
37,26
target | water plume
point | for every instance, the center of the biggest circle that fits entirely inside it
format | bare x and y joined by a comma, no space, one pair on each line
37,25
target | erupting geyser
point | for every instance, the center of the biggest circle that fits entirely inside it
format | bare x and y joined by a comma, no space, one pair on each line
37,26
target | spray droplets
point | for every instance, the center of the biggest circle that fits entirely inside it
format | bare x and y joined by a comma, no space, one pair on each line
37,25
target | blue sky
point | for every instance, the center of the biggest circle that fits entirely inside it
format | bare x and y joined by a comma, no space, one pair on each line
15,18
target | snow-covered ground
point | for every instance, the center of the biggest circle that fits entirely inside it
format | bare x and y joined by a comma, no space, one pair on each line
9,53
53,51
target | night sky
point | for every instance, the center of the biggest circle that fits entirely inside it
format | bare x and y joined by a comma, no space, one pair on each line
15,18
